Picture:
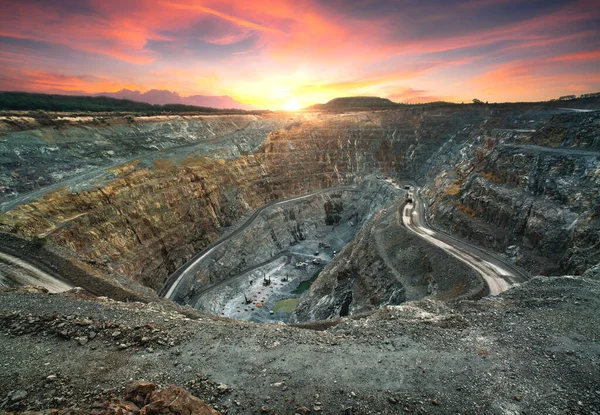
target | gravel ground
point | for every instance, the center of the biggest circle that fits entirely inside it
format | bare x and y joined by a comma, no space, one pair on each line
533,350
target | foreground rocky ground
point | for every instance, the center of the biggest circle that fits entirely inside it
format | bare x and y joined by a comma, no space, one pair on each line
140,398
535,349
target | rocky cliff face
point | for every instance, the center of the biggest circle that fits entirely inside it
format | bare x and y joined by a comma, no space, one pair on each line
335,215
38,153
524,183
144,218
569,130
536,203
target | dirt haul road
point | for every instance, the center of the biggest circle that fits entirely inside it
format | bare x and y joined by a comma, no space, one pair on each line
170,288
16,272
498,274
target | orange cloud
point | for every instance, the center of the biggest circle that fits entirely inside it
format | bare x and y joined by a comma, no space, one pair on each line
121,39
519,79
577,56
39,81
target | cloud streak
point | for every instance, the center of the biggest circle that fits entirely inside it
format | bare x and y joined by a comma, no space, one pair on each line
239,21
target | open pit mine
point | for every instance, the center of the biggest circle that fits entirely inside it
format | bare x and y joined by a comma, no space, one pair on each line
435,258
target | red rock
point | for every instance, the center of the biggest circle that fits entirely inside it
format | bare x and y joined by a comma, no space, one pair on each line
174,400
122,408
139,392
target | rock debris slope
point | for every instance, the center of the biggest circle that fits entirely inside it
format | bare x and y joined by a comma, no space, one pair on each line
385,265
533,349
537,203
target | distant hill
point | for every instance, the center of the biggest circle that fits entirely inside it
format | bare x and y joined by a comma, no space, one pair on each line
163,97
589,101
354,102
25,101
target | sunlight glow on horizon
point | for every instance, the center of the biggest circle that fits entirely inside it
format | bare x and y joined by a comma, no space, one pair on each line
289,54
292,105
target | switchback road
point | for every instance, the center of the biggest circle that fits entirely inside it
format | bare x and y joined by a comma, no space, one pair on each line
498,274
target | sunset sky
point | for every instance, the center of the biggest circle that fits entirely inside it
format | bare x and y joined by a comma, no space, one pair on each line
270,52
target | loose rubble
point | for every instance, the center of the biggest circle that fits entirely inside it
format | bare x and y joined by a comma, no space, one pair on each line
532,349
141,398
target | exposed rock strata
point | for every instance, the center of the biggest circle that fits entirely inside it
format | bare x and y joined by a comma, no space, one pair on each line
537,204
151,218
278,229
487,182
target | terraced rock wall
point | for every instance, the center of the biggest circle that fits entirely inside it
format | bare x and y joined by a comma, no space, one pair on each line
386,265
187,180
334,216
146,217
539,204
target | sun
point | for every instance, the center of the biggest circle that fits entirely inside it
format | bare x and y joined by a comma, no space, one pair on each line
292,105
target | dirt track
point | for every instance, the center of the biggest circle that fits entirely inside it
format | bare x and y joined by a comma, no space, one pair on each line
14,271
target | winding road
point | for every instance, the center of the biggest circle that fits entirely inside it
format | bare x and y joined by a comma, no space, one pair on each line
190,267
568,151
497,273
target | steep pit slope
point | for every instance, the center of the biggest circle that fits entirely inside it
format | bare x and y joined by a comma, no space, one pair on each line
101,216
34,155
578,130
147,217
533,349
386,265
502,188
532,195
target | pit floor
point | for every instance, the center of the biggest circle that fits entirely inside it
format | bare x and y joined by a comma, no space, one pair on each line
247,298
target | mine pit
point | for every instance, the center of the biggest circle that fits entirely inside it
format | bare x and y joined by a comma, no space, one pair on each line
312,283
270,291
260,273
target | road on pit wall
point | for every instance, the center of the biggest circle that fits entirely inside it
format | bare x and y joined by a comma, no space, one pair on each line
97,172
170,287
16,272
497,273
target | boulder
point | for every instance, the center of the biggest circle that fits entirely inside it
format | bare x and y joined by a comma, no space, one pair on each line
174,400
